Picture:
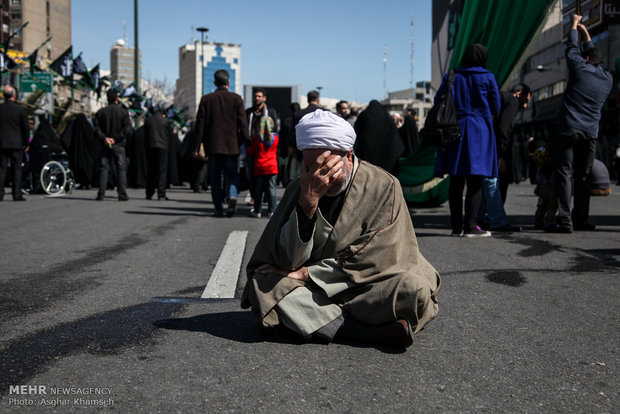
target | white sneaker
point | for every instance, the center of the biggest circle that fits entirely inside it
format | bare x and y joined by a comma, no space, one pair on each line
477,232
253,214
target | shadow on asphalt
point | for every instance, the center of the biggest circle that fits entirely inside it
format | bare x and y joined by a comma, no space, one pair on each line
442,221
234,326
240,327
105,333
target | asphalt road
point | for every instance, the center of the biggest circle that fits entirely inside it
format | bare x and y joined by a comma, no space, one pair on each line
100,309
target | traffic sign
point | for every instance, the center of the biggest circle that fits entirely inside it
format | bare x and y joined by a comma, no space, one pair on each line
37,81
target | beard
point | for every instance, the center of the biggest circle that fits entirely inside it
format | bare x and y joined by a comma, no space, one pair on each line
342,183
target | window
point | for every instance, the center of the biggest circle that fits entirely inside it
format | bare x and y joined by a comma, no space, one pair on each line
549,91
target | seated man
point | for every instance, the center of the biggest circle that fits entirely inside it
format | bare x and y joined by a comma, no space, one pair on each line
339,258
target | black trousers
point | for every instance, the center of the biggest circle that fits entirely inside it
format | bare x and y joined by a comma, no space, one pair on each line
157,172
114,156
199,179
472,201
572,155
15,156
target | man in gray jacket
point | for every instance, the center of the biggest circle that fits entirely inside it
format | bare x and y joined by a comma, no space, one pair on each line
574,143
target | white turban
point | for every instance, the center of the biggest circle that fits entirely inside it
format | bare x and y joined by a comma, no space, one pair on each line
322,129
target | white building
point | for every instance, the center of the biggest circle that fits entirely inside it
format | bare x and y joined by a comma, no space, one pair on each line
190,87
122,62
420,99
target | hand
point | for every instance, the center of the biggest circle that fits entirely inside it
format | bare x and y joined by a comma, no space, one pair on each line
576,20
316,178
195,154
299,274
584,30
109,141
501,165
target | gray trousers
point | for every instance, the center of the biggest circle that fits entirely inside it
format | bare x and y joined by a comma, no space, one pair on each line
572,155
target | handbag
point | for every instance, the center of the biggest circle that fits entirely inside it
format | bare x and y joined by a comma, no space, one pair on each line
441,128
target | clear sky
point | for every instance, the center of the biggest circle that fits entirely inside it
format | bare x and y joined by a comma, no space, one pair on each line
338,45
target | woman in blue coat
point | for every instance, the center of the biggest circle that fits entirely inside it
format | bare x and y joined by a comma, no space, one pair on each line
476,97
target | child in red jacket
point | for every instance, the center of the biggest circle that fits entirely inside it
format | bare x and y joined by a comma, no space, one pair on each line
264,150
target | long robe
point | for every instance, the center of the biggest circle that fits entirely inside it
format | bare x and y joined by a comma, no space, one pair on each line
368,264
378,141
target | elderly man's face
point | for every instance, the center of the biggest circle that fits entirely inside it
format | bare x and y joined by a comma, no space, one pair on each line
346,157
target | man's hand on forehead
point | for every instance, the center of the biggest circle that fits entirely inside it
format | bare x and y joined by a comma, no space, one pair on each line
317,175
326,167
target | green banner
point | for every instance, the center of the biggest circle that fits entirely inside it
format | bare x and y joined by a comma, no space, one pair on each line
505,27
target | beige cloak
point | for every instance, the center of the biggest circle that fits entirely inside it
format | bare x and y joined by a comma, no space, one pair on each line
372,245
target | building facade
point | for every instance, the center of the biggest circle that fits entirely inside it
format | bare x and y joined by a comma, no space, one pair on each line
46,18
543,66
192,70
420,99
122,62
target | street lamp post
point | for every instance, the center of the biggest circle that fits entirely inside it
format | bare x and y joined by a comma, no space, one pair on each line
202,31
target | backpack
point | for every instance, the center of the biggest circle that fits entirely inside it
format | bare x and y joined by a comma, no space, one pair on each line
441,128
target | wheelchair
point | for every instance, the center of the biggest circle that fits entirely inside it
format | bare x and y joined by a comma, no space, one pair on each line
56,176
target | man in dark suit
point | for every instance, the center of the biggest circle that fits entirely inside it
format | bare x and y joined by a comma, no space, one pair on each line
157,130
13,140
113,127
221,125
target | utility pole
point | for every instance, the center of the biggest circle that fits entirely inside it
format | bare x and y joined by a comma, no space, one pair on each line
136,56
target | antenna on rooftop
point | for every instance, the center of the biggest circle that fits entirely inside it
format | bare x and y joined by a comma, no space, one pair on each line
385,53
193,39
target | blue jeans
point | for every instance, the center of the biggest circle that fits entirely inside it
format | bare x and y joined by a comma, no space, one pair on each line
226,167
491,203
265,184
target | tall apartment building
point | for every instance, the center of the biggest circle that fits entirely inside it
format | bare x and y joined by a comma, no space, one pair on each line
122,62
190,87
45,18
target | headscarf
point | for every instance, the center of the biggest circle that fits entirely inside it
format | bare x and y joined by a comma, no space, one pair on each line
378,140
475,55
265,129
322,129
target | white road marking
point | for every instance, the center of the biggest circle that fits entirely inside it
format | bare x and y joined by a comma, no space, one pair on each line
223,280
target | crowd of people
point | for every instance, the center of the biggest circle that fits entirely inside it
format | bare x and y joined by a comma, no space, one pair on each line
255,148
565,161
